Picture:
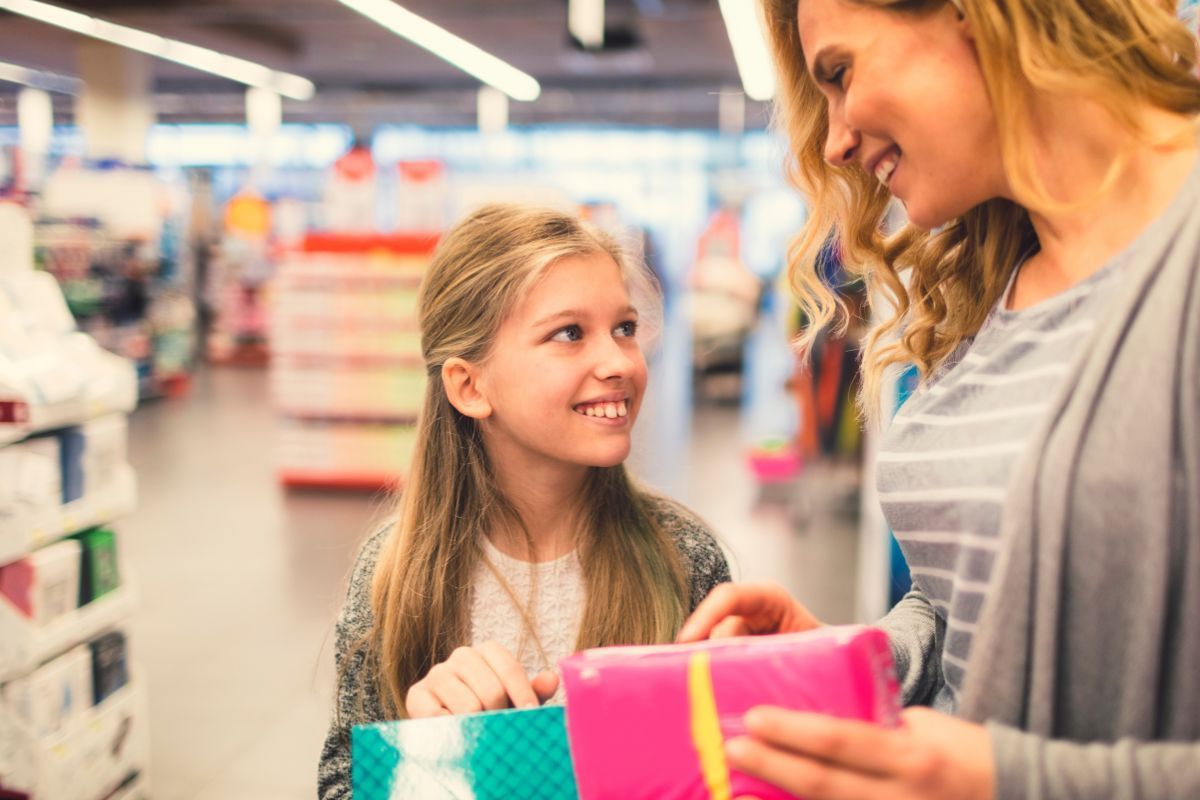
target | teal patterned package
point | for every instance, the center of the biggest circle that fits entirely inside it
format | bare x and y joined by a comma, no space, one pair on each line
497,754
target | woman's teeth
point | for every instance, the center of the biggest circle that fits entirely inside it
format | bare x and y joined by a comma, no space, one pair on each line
883,172
610,410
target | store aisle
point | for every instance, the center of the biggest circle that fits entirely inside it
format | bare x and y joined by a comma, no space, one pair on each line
240,581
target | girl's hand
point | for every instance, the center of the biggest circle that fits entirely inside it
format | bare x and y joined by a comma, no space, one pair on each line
742,609
932,757
483,678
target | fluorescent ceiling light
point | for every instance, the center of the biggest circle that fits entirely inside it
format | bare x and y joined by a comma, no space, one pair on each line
585,21
37,79
201,58
445,45
744,25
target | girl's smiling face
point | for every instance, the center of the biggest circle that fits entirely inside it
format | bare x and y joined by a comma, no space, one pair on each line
566,375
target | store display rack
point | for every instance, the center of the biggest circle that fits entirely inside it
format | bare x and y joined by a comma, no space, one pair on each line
347,374
73,724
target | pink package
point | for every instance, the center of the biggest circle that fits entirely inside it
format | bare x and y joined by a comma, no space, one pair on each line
650,722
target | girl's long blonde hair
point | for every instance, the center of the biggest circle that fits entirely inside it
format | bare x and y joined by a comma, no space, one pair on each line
635,584
1118,52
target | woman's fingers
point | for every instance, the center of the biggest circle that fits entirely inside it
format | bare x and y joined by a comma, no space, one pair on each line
545,684
728,628
764,607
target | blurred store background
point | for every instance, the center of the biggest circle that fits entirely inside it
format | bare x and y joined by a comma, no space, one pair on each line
213,219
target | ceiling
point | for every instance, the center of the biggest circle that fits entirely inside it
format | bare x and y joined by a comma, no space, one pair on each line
666,63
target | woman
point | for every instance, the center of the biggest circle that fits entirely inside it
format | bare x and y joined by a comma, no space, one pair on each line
1044,482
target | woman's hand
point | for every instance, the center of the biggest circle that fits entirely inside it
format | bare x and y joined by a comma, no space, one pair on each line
483,678
742,609
932,757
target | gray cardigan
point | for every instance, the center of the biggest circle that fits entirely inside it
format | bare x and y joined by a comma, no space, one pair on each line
703,562
1086,665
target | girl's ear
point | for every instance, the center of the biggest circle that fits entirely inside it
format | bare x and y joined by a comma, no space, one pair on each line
460,378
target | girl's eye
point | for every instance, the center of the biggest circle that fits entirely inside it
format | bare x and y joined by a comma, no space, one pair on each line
571,333
627,328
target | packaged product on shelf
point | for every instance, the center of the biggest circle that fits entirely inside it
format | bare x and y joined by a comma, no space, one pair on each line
105,451
110,664
31,474
55,694
98,573
71,444
44,585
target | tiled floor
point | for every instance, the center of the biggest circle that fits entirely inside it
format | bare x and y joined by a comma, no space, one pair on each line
239,581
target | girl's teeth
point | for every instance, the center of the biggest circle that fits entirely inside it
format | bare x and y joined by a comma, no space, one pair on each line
608,410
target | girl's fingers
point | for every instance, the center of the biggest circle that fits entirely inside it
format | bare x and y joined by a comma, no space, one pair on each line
545,684
515,684
420,703
478,676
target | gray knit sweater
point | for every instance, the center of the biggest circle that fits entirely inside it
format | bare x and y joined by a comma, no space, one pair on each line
702,559
1086,663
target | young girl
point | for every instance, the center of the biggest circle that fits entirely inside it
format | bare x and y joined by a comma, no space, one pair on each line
520,536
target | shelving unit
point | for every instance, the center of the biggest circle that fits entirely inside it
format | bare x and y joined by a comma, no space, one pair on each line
63,471
120,268
347,375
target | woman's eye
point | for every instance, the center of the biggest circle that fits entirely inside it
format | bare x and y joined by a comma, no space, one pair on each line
627,328
571,333
836,77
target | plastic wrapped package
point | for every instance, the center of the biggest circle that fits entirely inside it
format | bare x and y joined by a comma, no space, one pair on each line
489,756
640,722
651,722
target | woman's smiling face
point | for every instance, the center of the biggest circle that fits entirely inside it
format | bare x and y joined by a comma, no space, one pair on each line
907,103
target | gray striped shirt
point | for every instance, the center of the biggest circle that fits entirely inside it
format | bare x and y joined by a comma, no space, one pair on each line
946,459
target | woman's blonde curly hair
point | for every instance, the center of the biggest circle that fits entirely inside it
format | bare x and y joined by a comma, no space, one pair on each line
941,284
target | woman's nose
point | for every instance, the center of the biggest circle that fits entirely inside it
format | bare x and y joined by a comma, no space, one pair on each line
841,144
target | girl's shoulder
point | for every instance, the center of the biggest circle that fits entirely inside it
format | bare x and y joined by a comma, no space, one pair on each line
356,613
703,558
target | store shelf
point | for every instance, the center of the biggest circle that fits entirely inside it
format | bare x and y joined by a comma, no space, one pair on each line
116,390
136,789
358,243
349,481
24,645
90,759
23,528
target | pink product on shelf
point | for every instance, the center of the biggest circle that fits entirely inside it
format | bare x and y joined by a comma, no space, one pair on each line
651,722
45,584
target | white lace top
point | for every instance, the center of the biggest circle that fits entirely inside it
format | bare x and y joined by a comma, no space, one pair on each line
555,600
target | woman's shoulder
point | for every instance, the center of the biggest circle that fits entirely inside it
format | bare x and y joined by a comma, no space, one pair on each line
703,558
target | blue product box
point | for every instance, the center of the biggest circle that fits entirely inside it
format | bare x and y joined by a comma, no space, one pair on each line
497,754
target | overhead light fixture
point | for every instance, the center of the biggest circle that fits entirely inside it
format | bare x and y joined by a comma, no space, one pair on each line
744,25
39,79
190,55
585,21
445,45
